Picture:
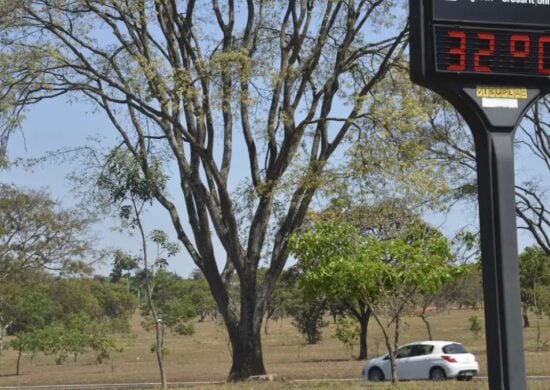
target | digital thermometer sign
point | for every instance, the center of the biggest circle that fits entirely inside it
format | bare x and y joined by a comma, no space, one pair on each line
480,41
487,51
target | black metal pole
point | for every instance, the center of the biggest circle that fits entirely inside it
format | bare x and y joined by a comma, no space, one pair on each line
499,251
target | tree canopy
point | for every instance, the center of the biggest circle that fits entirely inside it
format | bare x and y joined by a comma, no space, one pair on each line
35,234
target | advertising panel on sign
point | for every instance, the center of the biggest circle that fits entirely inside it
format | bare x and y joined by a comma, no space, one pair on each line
525,12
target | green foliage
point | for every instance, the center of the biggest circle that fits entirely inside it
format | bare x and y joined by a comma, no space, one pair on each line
78,334
123,264
34,309
286,295
476,325
347,331
63,317
200,296
308,318
35,234
115,302
391,149
534,268
466,289
123,178
338,262
172,304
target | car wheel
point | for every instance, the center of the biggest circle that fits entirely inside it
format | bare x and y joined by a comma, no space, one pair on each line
437,374
376,375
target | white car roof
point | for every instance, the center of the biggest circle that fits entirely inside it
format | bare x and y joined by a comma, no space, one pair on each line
436,343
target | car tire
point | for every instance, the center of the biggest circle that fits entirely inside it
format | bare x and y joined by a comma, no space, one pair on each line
376,375
438,374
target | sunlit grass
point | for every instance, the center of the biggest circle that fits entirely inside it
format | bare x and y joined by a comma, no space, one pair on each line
206,357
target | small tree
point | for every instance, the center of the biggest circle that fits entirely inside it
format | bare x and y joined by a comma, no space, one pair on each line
476,325
24,341
201,298
123,264
327,244
173,306
123,185
308,318
8,293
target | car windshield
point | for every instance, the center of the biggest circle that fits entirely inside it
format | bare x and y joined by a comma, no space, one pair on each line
454,349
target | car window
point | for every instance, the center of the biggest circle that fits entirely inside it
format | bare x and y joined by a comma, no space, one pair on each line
422,349
405,351
454,349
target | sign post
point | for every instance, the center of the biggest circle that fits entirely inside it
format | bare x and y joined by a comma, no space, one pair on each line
491,60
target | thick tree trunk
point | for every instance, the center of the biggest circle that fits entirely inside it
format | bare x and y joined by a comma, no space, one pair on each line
243,321
364,326
247,351
526,323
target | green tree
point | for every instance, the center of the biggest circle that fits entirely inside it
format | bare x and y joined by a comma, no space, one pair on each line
534,266
33,310
123,264
384,220
196,288
78,334
467,290
35,234
347,331
116,304
476,325
285,82
8,294
173,304
123,186
308,316
284,297
385,274
61,317
25,341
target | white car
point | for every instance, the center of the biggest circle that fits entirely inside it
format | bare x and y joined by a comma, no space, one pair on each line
435,360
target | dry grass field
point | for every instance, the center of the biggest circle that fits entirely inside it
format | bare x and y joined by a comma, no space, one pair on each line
205,357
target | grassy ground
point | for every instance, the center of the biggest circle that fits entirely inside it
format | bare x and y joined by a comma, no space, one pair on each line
206,357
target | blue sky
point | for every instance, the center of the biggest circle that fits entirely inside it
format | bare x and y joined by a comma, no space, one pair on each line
56,124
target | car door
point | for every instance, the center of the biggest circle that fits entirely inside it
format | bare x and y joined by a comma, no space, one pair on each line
418,363
403,356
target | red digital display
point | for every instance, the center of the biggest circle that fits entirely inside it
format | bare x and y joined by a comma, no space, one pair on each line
492,51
